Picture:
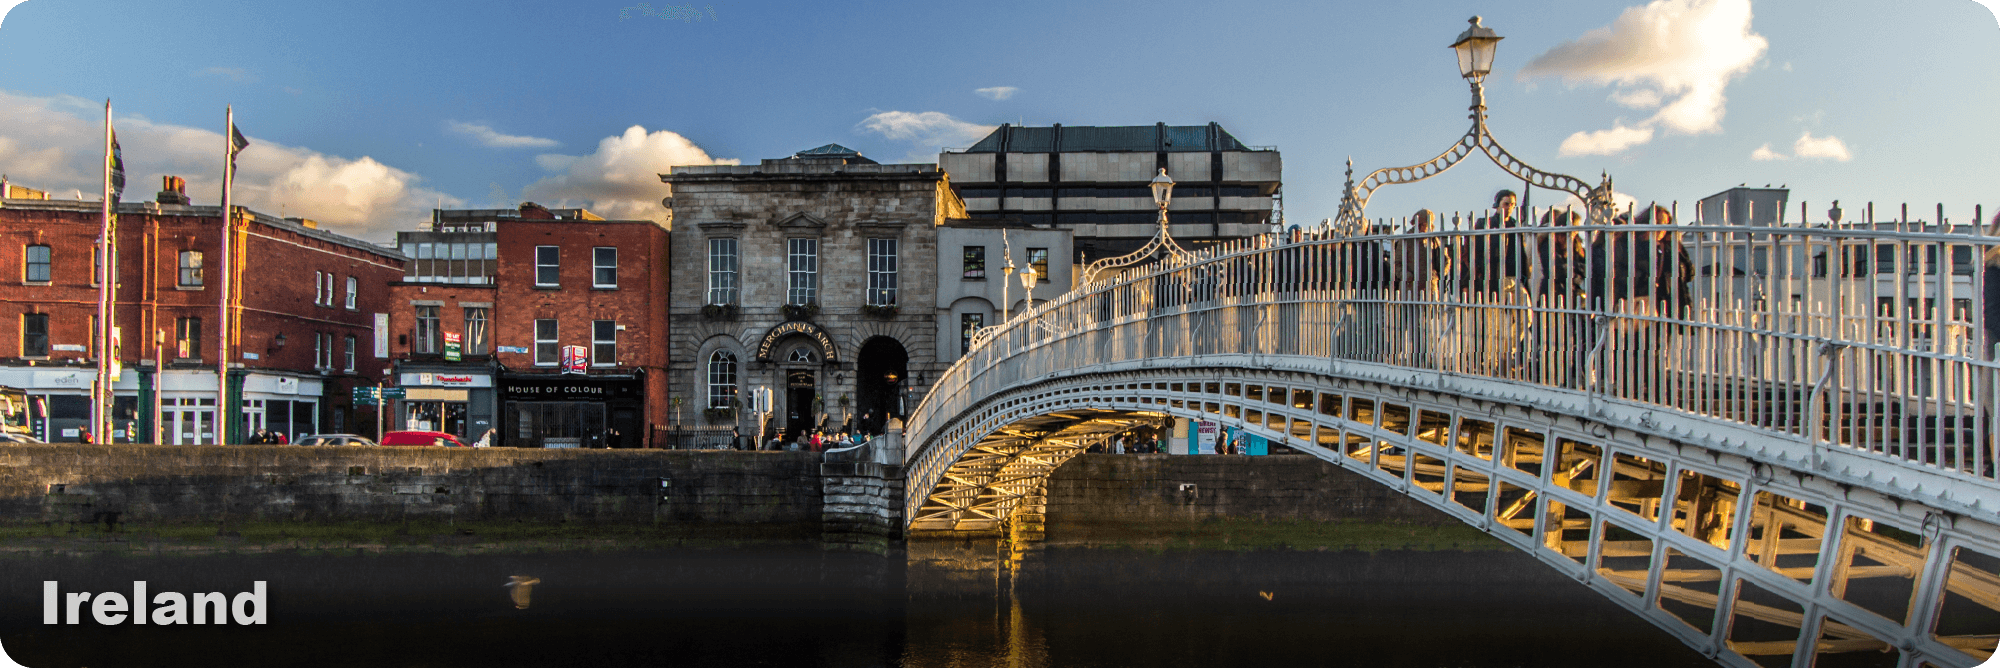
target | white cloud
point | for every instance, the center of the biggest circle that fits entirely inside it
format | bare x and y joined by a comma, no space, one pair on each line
55,144
236,74
1765,153
929,130
621,180
490,138
1830,148
1676,53
1605,142
1619,201
7,6
996,92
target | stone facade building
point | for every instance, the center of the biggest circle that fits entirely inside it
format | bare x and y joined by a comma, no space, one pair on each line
812,276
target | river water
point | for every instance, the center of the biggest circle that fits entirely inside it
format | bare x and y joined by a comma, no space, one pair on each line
945,605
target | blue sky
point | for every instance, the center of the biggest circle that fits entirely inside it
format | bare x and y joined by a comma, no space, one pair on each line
365,114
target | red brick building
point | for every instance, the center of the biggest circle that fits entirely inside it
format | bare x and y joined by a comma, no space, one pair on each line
515,287
303,332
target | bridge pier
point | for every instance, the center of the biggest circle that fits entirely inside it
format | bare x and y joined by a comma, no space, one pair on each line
862,501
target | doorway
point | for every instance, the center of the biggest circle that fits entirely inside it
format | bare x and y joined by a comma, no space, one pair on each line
188,421
800,391
882,369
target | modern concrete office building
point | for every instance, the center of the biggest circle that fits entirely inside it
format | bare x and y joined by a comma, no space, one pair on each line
1092,182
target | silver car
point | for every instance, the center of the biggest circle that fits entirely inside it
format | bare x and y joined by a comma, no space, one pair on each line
335,439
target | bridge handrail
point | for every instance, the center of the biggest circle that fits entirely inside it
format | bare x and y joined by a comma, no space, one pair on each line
1860,338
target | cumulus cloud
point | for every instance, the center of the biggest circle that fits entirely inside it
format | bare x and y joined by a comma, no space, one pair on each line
490,138
56,143
996,92
7,6
927,130
1606,142
236,74
621,179
1828,148
1676,55
1621,201
1807,147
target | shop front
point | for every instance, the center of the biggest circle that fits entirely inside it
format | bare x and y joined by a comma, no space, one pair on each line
459,403
59,402
572,411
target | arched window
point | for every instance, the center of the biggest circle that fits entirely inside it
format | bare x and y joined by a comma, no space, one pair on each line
803,356
721,379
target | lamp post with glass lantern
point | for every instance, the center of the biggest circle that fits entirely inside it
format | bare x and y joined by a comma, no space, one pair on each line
1475,49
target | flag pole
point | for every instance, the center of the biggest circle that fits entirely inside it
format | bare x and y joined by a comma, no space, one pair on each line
100,393
222,417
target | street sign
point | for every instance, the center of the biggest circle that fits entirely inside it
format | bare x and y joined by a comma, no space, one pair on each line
365,401
453,347
365,392
393,393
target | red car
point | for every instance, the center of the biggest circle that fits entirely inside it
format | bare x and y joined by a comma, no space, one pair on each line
421,438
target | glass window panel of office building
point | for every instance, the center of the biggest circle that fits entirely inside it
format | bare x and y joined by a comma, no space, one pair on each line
802,261
450,258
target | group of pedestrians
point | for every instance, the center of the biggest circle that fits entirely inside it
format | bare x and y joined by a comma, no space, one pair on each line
817,439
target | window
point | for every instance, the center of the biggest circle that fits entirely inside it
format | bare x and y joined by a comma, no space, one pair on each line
968,324
721,380
190,269
38,264
353,291
722,271
319,350
803,263
603,267
350,355
329,290
427,339
881,272
545,266
604,343
475,331
187,338
1039,259
975,263
546,353
319,292
35,335
802,355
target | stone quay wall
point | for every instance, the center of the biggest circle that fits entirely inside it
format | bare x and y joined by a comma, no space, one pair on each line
64,483
1104,489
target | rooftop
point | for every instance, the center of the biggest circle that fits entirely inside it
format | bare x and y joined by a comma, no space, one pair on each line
1123,138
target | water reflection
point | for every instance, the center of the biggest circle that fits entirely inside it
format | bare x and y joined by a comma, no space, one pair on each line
944,604
524,587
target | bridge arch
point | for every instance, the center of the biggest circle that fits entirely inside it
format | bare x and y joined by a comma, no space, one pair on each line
1662,458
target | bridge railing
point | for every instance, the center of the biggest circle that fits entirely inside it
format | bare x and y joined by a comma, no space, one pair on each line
1868,336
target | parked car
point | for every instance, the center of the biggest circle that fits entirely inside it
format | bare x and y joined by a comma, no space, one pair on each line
436,438
335,439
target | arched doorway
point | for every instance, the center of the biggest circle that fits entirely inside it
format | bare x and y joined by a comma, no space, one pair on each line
882,370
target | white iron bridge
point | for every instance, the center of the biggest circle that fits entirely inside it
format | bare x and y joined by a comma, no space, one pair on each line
1776,443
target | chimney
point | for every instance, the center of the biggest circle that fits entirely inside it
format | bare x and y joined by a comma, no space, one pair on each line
533,211
173,190
307,223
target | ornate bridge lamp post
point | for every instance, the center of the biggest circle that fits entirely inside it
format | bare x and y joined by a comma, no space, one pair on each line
1475,48
1162,241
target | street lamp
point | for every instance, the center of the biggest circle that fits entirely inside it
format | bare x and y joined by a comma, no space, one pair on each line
1163,193
1475,48
1028,287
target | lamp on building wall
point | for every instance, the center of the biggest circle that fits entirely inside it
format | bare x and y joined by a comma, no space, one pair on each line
278,342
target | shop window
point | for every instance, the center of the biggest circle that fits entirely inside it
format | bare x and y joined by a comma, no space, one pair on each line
546,350
603,343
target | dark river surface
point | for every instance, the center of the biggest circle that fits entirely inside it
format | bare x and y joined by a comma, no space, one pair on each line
944,606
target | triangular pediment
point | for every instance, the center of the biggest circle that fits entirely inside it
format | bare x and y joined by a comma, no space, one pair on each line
802,219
